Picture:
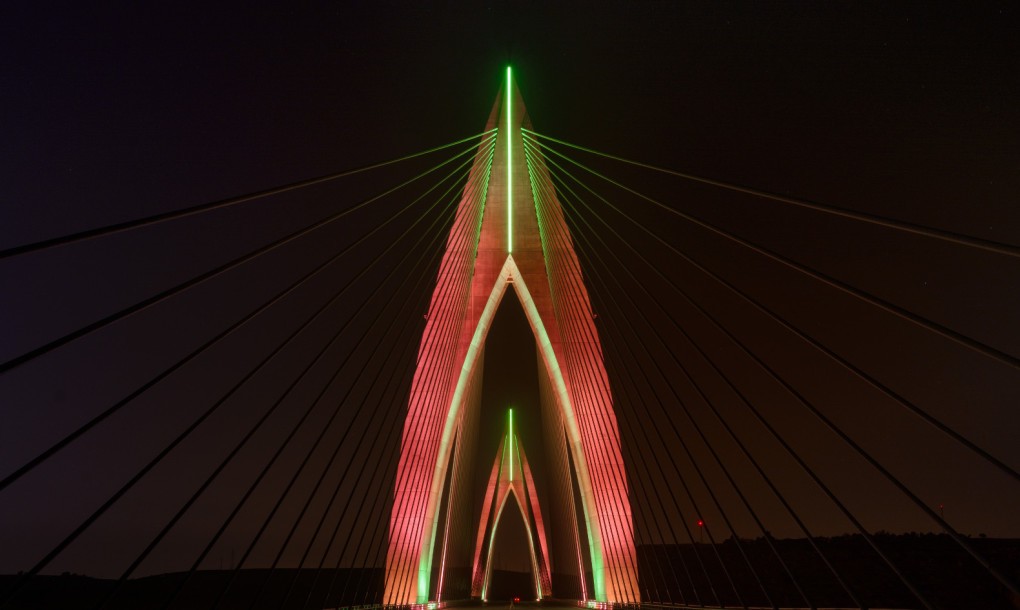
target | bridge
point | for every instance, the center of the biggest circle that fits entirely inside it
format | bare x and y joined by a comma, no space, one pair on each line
506,367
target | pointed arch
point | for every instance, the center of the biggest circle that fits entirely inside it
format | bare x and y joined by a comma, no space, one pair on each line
510,459
508,276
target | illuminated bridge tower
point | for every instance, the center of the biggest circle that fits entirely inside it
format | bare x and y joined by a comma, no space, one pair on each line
509,233
510,476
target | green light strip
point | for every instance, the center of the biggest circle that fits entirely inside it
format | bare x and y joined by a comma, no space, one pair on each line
511,445
509,172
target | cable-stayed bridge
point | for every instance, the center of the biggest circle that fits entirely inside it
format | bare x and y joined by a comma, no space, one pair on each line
411,382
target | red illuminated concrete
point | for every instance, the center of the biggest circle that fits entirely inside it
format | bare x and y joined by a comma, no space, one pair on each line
476,272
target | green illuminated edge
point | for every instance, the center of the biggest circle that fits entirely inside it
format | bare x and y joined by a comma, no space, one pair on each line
594,537
511,436
509,168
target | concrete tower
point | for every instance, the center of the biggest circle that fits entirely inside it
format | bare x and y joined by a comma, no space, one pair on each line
509,232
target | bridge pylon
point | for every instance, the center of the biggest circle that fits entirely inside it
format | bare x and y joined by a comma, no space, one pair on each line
509,233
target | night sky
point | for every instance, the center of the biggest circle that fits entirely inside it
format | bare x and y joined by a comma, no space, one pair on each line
904,111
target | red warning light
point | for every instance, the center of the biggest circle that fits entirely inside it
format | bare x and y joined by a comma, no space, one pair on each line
701,523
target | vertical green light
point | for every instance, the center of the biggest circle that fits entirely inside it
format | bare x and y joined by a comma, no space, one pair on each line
511,444
509,171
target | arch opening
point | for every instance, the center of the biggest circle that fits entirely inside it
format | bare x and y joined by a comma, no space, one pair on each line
511,572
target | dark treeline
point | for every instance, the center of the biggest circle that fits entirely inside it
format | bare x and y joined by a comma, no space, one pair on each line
934,564
252,589
679,574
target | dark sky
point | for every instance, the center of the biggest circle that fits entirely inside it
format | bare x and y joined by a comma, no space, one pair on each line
907,111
